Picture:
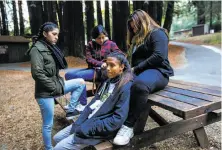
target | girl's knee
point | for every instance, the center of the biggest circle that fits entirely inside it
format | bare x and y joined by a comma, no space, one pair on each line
139,86
82,81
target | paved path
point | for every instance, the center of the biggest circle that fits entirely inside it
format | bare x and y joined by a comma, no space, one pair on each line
203,65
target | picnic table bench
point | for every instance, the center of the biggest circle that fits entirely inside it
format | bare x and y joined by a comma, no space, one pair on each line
197,105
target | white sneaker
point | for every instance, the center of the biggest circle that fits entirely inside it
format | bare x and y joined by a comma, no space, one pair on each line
123,136
80,107
66,107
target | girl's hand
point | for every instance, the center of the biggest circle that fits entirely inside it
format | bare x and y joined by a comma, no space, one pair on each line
132,69
104,65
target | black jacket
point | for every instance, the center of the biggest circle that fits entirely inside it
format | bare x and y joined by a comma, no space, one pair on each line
153,54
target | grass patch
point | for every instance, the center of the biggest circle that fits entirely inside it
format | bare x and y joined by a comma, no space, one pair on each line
210,39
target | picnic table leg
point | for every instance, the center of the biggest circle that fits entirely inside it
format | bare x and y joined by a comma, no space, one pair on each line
201,137
157,118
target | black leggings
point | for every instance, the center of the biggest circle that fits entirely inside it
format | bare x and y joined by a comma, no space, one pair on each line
145,83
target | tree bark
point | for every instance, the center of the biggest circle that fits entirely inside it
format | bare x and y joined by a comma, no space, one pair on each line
99,13
35,15
120,15
5,30
169,15
89,11
107,19
15,19
21,19
137,5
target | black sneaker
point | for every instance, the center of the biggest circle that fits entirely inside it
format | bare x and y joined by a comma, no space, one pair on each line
71,115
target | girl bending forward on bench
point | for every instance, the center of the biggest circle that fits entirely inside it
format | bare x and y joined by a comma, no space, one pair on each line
148,56
105,114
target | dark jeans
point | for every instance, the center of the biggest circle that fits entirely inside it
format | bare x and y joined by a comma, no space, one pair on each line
86,74
145,83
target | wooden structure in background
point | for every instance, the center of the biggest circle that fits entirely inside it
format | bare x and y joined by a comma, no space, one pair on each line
13,48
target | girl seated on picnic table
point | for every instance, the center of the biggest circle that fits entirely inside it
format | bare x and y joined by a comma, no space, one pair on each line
96,50
105,114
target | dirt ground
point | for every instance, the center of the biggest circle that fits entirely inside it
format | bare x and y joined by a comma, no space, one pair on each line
20,120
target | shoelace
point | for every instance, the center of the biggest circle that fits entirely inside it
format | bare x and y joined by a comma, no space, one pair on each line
124,132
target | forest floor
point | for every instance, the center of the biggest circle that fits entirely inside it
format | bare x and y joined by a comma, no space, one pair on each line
20,119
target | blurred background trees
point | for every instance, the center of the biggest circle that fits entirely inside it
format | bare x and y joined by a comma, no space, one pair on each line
77,18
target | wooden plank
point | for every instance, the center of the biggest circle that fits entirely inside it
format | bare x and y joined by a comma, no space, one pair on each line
193,94
203,109
157,118
196,84
167,131
196,89
175,106
201,137
182,98
104,146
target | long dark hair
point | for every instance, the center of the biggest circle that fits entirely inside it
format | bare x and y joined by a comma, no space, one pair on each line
47,26
127,74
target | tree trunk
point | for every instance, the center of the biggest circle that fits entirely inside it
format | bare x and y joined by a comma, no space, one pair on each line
159,12
120,15
200,11
89,11
59,9
107,18
21,19
74,28
211,10
4,19
35,15
137,5
49,12
152,10
99,13
15,19
169,15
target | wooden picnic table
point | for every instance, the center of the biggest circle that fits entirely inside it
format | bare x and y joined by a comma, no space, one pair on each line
197,105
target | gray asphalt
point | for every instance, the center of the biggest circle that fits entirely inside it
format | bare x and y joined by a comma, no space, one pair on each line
202,65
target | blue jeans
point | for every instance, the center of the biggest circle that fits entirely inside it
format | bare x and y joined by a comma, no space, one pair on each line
64,140
147,82
47,108
86,74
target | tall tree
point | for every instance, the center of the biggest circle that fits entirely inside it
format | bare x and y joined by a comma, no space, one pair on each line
21,19
99,13
200,11
49,11
15,19
74,29
120,10
89,11
35,15
5,30
159,12
107,18
169,15
137,4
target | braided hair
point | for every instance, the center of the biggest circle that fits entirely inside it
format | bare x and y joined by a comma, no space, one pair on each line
47,26
127,74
